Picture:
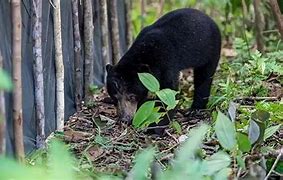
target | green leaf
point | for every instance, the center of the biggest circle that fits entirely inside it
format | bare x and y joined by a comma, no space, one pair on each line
142,164
270,131
261,115
254,131
216,162
167,96
189,148
176,126
244,143
154,117
225,131
149,81
222,174
5,81
258,125
61,162
10,169
143,113
187,165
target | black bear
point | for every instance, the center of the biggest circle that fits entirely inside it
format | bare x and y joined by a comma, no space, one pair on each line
181,39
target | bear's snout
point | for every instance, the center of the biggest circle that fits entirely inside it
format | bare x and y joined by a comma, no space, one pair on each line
126,119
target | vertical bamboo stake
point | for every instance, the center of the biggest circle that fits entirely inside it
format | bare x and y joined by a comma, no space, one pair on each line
77,60
115,42
59,64
258,26
89,47
129,35
2,117
38,73
17,79
104,30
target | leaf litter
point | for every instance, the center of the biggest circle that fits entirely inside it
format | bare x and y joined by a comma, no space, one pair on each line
103,143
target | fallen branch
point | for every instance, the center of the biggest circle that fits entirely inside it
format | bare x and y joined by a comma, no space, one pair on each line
274,164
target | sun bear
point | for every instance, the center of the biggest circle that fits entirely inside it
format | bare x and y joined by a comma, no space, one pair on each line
181,39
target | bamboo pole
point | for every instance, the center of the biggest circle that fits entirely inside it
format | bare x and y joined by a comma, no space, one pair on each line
104,30
59,65
129,28
77,59
2,116
89,47
38,73
17,79
115,37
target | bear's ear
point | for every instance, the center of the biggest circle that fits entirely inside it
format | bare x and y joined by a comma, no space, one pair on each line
143,68
108,68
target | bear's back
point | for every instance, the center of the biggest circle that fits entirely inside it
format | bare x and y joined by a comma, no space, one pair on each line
187,37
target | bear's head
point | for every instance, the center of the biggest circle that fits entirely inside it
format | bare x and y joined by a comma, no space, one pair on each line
125,89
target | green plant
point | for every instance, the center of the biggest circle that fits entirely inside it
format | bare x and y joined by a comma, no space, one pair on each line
187,164
245,75
241,142
93,89
148,112
58,165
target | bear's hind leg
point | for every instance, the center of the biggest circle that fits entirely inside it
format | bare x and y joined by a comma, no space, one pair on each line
202,84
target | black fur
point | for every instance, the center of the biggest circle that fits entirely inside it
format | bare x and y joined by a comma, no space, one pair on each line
181,39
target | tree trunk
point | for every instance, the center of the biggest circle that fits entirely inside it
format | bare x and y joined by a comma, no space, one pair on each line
17,72
129,28
114,31
143,13
104,30
258,26
38,73
59,65
2,117
278,16
77,60
89,47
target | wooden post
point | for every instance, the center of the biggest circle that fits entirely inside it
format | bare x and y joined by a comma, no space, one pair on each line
38,73
129,28
77,58
258,26
104,30
59,65
17,78
89,47
115,37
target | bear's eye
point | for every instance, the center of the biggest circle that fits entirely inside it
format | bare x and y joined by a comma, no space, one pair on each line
132,98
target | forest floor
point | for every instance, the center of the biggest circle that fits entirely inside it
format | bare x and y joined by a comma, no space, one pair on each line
102,144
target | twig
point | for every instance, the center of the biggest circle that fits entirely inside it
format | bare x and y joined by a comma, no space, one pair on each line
274,164
258,98
239,173
156,127
169,134
270,31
